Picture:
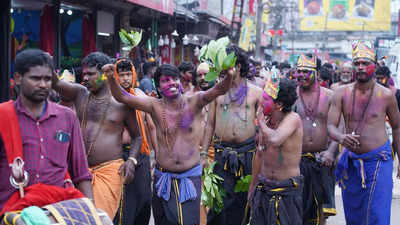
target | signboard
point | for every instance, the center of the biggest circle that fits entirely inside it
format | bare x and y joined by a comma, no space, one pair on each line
345,15
245,34
165,6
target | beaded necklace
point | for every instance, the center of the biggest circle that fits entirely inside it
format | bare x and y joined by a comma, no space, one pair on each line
167,131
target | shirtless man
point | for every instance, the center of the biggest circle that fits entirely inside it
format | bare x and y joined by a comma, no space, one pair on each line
364,170
102,122
234,143
187,69
178,121
318,152
276,164
345,75
136,206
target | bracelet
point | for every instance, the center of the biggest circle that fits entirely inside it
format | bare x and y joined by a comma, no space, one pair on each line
133,160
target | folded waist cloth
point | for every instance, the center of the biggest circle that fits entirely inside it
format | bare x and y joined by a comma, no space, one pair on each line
186,186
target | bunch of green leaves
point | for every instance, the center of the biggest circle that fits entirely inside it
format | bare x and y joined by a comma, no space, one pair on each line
213,194
131,38
243,184
215,54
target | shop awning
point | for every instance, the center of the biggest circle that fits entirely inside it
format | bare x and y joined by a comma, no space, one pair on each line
166,6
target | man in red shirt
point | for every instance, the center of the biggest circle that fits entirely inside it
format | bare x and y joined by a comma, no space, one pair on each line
50,134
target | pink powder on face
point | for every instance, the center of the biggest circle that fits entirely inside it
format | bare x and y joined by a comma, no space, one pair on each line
370,69
167,82
268,104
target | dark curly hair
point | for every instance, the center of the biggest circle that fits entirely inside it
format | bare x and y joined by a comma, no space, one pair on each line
125,64
30,58
97,59
241,58
325,75
188,66
287,94
383,70
165,69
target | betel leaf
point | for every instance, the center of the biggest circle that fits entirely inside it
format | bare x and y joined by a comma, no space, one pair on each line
212,194
203,52
123,38
223,42
221,56
212,75
229,61
131,39
212,51
243,184
136,37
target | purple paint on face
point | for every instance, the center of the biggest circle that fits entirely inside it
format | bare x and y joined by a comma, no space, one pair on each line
268,104
304,77
169,86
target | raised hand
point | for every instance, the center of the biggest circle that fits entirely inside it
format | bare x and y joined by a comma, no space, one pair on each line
108,70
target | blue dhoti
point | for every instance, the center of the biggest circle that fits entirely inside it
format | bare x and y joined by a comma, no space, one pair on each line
367,183
176,198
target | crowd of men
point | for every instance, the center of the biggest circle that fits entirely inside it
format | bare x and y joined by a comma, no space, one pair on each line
295,130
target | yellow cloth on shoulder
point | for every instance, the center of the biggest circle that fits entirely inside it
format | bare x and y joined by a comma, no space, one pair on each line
107,186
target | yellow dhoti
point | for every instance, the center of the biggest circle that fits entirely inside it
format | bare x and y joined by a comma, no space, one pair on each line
107,186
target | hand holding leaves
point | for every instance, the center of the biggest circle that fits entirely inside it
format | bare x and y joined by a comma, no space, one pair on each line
132,38
219,60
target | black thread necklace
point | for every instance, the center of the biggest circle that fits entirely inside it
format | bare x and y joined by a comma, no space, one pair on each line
353,95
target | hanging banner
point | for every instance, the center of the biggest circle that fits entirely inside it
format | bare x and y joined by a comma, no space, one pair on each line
165,6
345,15
245,34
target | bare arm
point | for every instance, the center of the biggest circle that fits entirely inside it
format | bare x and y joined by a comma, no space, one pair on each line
256,167
328,156
143,103
205,97
394,120
85,186
277,137
68,91
210,127
128,168
334,115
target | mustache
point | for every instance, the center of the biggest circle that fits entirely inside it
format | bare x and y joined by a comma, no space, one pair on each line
361,73
44,92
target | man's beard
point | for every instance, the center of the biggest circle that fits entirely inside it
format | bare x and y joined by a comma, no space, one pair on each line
345,79
363,80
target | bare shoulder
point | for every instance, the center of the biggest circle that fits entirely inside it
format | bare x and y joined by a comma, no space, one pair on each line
293,118
335,86
83,92
254,87
341,90
139,92
255,90
327,91
385,92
